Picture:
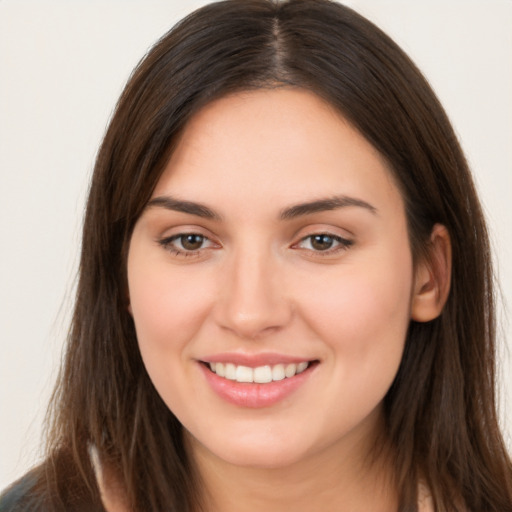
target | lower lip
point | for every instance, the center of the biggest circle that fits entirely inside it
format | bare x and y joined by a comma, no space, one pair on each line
254,395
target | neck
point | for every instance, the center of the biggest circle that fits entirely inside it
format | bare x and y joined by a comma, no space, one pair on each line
342,478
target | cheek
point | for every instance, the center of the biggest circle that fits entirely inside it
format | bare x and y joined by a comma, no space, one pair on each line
362,314
375,309
168,309
361,298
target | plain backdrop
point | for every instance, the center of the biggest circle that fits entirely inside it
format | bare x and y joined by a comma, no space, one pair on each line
63,65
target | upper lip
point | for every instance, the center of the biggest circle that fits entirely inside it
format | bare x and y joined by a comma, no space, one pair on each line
255,360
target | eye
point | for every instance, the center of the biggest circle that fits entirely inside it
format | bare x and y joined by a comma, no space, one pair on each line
324,242
186,244
191,241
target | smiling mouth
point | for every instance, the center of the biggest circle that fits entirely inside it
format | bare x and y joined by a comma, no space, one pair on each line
260,374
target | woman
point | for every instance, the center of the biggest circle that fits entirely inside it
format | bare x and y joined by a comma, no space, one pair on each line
285,297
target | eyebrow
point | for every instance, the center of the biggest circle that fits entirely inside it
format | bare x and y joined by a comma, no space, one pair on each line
322,205
292,212
198,209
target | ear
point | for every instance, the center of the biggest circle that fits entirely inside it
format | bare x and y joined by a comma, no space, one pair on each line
432,277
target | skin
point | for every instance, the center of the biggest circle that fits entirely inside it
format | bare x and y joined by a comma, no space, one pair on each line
257,284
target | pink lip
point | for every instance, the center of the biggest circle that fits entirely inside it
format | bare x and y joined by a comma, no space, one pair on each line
253,360
253,395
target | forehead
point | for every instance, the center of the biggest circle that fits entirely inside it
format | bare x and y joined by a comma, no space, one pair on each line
284,144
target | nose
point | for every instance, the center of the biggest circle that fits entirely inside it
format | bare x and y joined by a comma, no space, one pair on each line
252,296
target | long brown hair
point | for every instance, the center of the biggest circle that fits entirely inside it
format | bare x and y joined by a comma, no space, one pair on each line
441,409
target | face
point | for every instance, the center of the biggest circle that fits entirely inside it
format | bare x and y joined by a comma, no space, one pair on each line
270,281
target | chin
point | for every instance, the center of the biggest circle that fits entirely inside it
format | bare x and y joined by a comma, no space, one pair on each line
257,451
267,458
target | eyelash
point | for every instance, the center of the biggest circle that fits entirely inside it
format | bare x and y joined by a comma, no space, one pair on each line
168,244
343,244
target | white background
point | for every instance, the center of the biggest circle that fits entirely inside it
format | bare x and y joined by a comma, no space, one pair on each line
63,65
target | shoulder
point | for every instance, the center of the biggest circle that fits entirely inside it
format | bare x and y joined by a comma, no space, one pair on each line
32,493
21,496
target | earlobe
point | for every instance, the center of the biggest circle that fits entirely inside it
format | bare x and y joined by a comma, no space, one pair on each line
432,277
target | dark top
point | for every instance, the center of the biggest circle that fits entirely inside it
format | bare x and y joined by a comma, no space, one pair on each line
20,496
25,495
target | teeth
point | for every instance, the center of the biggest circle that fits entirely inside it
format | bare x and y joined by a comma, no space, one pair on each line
290,370
301,367
220,369
260,374
278,372
230,371
244,374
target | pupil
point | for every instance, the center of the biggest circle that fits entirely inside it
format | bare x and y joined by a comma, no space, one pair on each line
191,242
322,242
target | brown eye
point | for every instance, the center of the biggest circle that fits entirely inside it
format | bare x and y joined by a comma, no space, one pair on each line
322,242
191,242
186,244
